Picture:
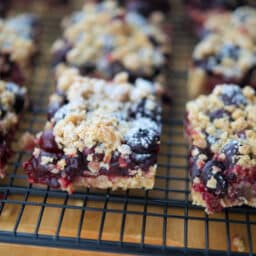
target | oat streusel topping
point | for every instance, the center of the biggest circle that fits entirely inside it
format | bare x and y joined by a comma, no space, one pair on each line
100,112
105,33
15,41
243,19
227,116
229,54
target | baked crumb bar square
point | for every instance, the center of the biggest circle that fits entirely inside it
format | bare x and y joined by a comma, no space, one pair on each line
222,133
17,47
102,134
120,40
225,54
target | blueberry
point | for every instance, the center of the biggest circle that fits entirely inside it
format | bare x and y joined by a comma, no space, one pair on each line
144,137
60,112
144,160
19,103
143,141
228,51
19,93
230,150
74,166
140,110
217,114
232,95
2,112
60,54
47,142
87,68
195,171
211,139
208,173
53,183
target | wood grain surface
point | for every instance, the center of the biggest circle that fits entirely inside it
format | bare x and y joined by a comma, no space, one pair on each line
21,250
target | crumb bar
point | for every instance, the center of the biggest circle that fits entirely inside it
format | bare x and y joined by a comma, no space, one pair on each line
222,58
222,135
13,100
102,134
119,41
17,47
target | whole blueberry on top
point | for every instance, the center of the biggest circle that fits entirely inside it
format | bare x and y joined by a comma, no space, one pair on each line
232,95
230,51
230,150
19,96
144,137
213,171
217,114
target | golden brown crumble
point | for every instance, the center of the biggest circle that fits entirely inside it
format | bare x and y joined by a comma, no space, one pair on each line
236,119
19,47
123,33
98,111
227,65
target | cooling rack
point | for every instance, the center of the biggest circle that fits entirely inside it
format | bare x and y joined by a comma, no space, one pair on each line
158,222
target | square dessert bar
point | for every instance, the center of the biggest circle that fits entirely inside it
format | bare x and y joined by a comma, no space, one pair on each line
102,134
13,100
119,41
222,135
17,47
222,58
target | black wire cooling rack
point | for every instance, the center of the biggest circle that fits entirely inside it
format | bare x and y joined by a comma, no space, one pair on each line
158,222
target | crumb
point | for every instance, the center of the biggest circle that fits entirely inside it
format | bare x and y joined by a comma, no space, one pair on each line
238,243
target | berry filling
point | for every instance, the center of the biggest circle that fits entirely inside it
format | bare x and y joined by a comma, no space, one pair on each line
78,166
222,156
9,70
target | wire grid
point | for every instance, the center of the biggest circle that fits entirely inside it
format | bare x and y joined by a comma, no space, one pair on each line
158,222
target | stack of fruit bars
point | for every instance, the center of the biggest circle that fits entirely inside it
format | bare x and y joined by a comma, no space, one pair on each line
102,134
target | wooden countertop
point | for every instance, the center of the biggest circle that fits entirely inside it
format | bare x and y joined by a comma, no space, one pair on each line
22,250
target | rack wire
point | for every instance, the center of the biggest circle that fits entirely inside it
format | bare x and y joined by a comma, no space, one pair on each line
158,222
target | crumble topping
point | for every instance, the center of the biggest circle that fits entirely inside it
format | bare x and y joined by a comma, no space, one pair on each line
225,117
230,55
243,19
16,39
102,113
12,101
116,36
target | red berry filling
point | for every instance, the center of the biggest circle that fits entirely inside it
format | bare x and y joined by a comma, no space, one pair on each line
77,166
